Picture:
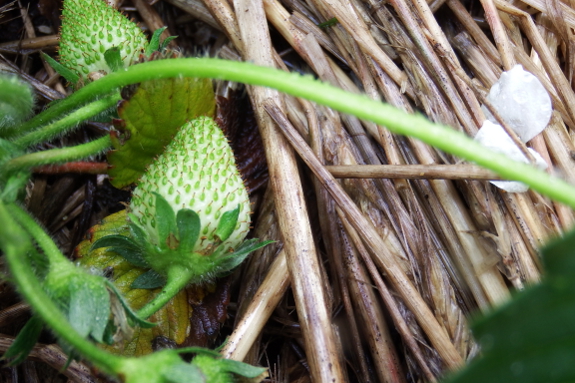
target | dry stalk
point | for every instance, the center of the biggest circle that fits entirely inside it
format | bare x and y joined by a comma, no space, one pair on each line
390,303
263,303
198,10
292,214
31,44
501,38
412,298
152,19
474,30
375,328
56,358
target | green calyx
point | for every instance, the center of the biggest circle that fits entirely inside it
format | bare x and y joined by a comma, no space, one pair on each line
92,305
174,250
89,29
87,300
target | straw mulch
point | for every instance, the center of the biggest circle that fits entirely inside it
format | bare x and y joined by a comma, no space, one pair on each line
374,276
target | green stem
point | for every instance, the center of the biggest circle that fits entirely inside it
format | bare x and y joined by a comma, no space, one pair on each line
31,160
178,278
61,126
15,243
38,234
440,136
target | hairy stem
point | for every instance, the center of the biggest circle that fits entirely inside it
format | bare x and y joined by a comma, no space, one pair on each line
38,233
178,278
31,160
64,124
16,244
397,121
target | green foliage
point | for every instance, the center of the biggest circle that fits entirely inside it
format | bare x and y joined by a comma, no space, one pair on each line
174,248
166,366
329,23
154,45
16,101
171,321
25,341
150,118
532,338
63,71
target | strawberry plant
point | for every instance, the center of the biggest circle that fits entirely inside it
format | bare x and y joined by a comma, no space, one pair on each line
185,224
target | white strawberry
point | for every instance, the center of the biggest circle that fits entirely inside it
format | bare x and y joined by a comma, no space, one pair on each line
197,171
92,27
189,215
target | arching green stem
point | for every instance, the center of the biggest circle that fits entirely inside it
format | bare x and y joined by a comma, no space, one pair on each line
52,156
62,125
38,234
177,279
440,136
16,243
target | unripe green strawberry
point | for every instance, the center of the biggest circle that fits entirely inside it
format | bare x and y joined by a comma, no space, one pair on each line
189,215
196,171
89,29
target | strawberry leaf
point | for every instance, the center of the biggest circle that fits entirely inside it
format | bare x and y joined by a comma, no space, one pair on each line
149,120
123,246
129,312
532,338
172,321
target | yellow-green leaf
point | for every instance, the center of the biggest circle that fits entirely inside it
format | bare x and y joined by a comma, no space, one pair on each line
173,320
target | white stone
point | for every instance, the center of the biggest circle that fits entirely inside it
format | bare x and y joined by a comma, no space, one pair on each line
522,102
495,138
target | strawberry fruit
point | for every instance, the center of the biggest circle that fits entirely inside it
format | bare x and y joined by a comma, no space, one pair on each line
92,27
189,215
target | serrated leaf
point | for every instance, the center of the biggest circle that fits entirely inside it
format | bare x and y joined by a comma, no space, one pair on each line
189,226
69,75
165,219
25,341
532,338
149,280
227,223
113,59
172,321
150,118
